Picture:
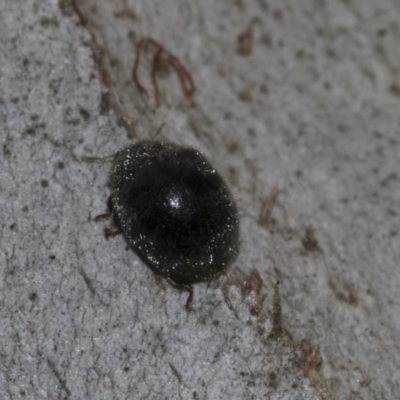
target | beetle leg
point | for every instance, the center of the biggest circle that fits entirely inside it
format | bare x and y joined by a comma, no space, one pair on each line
108,233
101,217
186,287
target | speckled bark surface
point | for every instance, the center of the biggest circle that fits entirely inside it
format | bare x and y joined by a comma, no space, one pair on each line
313,109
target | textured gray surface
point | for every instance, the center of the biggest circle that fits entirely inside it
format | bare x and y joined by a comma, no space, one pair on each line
313,109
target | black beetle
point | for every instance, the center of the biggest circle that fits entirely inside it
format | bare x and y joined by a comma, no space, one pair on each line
175,211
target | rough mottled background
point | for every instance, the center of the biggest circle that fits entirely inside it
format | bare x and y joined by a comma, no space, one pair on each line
313,109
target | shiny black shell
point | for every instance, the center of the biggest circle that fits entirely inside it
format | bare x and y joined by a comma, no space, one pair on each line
174,210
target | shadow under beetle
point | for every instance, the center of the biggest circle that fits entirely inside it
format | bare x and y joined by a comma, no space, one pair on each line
175,211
